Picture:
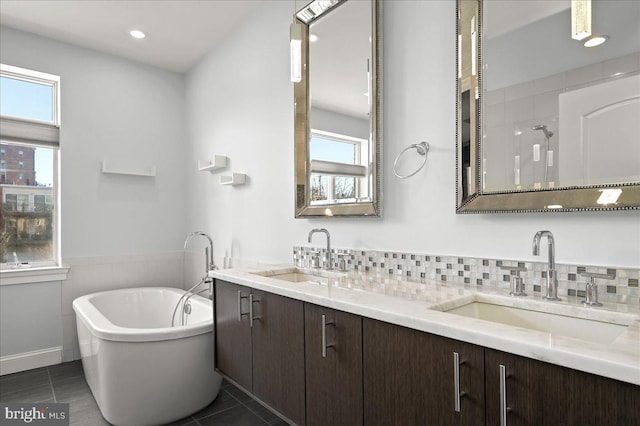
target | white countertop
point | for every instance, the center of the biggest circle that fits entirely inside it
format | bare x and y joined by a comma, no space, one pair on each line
415,305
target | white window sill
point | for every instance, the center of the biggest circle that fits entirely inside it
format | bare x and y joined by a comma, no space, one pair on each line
33,275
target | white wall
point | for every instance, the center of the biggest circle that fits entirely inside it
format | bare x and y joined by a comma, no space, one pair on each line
20,307
117,231
112,109
239,103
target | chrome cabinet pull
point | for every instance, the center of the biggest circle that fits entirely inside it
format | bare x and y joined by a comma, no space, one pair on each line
240,313
251,316
456,382
503,395
239,306
325,323
457,393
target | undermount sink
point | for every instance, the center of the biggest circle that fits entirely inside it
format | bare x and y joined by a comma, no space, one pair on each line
598,328
298,275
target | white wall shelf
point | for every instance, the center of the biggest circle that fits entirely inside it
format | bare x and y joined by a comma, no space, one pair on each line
234,179
113,167
218,162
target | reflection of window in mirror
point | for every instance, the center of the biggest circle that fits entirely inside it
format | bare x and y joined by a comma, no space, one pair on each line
339,97
338,166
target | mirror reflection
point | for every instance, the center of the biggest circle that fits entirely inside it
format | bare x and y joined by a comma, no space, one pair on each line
548,105
557,113
339,145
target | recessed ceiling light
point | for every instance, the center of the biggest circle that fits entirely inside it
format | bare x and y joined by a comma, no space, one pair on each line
313,37
137,34
596,41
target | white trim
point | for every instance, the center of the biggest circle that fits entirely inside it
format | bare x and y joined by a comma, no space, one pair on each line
33,275
30,360
37,77
29,75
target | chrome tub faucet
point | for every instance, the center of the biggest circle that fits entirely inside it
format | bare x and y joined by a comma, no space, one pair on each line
551,288
208,251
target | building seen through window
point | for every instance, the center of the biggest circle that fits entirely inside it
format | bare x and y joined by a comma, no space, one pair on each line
28,99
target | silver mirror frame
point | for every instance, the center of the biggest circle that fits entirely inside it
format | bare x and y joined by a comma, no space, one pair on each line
475,200
302,132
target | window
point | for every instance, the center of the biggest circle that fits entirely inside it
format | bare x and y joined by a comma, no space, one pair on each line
338,164
11,202
29,140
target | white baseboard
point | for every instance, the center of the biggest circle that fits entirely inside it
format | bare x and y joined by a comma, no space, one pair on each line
30,360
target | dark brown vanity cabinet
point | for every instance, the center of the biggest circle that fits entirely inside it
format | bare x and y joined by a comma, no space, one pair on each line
318,366
524,391
260,345
233,334
416,378
333,351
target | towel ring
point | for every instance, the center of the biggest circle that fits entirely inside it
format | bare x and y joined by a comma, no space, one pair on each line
422,148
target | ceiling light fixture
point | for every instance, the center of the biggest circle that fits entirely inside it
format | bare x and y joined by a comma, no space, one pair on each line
596,40
137,34
580,19
315,9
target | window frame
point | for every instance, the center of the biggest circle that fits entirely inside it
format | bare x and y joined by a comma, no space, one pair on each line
18,131
341,169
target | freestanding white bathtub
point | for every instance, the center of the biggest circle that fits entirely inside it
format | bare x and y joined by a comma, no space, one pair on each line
141,370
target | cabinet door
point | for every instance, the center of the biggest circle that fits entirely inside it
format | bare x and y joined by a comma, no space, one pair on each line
233,335
409,378
278,354
334,376
537,393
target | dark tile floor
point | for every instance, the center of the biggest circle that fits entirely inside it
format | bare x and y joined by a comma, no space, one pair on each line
66,383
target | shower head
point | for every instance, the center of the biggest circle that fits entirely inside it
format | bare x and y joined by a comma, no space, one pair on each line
547,133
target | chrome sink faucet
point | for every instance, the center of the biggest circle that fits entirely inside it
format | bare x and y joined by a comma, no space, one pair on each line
551,289
329,263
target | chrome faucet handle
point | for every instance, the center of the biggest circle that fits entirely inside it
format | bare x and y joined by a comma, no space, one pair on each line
517,282
342,261
314,260
517,286
591,289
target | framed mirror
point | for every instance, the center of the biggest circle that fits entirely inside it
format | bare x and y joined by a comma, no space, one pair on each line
338,105
545,121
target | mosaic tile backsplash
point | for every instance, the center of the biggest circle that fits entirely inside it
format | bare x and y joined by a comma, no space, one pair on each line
418,268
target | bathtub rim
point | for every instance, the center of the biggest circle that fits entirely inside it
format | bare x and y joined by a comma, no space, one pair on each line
100,326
